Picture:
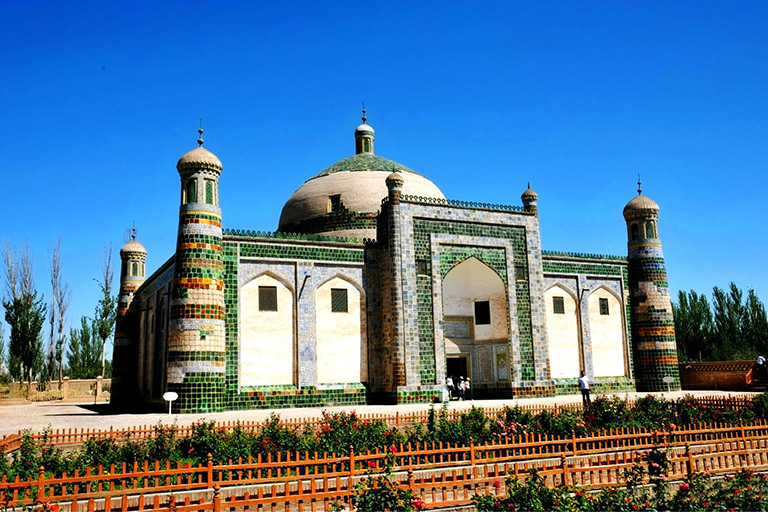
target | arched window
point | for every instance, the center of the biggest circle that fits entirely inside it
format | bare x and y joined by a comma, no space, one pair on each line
191,191
650,231
635,232
134,269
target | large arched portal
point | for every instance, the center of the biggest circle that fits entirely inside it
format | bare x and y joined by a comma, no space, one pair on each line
476,325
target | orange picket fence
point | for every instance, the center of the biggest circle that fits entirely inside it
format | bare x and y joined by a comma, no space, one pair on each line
70,437
590,461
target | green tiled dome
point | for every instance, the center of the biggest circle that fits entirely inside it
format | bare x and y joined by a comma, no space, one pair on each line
363,162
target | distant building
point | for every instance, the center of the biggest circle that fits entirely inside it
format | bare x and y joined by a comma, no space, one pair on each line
375,288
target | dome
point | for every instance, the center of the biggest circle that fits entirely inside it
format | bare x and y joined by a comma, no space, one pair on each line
640,203
529,194
365,128
132,247
360,184
354,185
199,158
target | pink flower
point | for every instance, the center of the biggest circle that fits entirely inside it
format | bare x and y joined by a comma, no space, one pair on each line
684,487
190,451
393,449
497,484
672,426
419,504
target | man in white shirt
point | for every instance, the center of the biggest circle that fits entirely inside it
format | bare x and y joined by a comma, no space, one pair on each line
584,387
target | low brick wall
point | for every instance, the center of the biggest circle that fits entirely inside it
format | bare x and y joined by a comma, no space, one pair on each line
722,375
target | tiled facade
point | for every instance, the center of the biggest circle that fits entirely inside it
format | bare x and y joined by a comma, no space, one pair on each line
181,329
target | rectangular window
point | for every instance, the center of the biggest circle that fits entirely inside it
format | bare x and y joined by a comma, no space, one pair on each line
482,312
421,267
209,191
558,305
604,307
339,300
334,203
267,298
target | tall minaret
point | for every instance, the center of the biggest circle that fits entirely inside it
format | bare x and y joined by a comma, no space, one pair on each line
196,339
653,327
133,258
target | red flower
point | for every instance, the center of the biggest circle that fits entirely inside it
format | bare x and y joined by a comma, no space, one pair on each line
371,464
419,504
684,487
497,484
672,426
393,449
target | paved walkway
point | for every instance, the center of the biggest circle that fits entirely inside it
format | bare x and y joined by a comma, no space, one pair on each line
57,415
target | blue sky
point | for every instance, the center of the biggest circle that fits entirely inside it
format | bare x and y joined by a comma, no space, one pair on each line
100,99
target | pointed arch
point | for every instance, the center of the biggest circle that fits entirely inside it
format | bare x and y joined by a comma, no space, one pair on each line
606,323
565,348
471,286
266,331
340,331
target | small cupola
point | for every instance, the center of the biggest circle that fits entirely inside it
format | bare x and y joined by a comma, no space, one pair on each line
364,135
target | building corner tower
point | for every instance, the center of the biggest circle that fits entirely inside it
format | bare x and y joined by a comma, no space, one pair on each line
133,258
653,326
196,338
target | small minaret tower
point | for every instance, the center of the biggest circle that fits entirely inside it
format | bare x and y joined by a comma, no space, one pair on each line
196,335
530,200
364,136
133,258
653,327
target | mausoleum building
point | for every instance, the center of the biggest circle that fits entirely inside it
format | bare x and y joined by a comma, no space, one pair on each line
374,289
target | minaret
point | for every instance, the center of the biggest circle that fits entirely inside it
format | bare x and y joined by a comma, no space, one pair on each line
196,339
530,200
364,136
133,258
653,327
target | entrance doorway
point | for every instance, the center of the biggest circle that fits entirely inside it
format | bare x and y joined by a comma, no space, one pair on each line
456,366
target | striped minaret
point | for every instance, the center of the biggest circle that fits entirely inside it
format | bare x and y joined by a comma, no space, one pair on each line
653,327
133,258
196,346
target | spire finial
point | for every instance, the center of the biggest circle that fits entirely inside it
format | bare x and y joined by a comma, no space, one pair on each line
365,119
133,232
529,184
200,131
639,185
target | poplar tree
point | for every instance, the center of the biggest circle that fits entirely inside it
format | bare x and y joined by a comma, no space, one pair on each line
25,314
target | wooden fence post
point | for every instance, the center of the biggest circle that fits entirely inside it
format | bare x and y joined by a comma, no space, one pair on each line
689,462
351,466
410,480
209,475
471,452
573,437
216,498
564,466
41,484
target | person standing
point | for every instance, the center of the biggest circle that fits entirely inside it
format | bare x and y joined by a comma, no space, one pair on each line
467,389
449,385
584,387
461,388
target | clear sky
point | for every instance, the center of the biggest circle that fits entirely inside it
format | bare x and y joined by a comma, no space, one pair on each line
100,99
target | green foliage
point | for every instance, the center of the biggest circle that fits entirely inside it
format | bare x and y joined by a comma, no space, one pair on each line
379,491
84,355
106,309
732,327
25,315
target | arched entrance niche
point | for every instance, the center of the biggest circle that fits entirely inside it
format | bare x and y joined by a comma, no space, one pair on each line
266,332
562,333
476,329
340,339
607,333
